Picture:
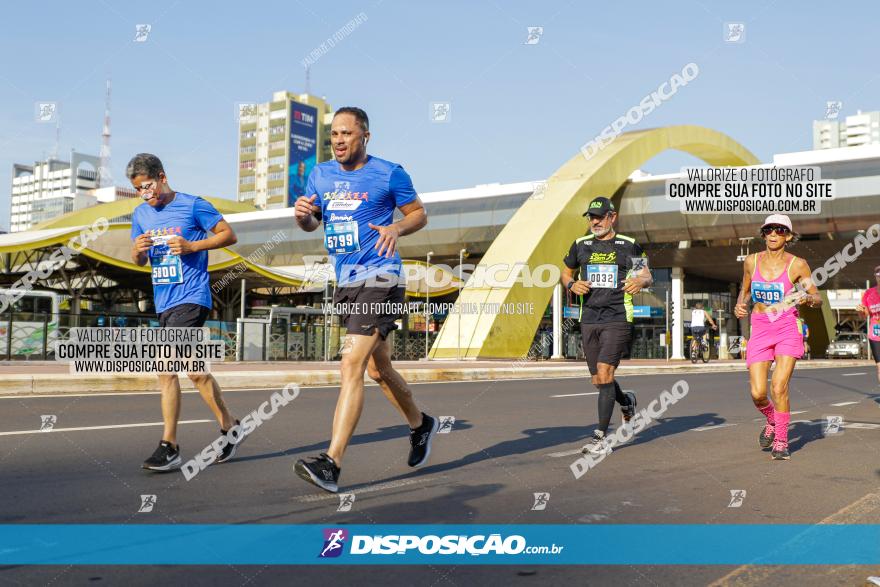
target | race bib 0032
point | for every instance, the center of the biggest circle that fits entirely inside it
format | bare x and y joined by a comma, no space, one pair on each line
602,276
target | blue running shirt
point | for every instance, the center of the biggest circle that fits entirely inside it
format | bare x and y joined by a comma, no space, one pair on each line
177,279
349,202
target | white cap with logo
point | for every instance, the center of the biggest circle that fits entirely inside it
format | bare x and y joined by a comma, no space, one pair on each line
778,219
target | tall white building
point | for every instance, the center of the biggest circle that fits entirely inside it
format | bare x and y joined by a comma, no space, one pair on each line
862,128
279,144
47,189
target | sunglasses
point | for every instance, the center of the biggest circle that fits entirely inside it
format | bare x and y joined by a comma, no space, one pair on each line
780,230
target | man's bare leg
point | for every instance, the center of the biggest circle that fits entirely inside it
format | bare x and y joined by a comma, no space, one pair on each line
356,351
169,386
393,385
209,389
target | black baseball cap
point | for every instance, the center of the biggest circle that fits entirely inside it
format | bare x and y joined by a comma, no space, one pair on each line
599,207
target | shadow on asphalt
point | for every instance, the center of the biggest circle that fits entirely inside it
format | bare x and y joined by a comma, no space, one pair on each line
453,506
385,433
836,384
803,433
670,426
544,439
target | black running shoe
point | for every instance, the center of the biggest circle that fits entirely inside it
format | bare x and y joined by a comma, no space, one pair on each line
166,458
229,450
627,412
420,441
322,471
780,451
765,438
597,445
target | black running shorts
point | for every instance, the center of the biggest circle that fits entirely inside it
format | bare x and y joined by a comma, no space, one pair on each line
365,308
184,316
875,349
606,343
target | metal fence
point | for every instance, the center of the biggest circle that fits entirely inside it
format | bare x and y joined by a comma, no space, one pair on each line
32,336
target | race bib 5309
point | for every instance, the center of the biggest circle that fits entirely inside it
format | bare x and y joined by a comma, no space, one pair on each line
767,293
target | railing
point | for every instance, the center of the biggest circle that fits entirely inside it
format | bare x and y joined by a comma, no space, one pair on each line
31,336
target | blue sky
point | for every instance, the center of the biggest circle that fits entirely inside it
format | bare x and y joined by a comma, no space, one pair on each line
518,111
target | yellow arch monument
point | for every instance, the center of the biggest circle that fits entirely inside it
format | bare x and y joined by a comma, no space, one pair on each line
543,229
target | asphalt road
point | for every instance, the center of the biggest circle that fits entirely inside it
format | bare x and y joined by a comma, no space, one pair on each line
510,440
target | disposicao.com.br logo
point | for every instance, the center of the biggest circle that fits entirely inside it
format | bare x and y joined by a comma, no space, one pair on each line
431,544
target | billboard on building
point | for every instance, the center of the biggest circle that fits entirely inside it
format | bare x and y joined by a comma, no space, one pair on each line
303,148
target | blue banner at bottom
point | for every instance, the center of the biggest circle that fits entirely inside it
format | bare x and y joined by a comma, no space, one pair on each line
268,544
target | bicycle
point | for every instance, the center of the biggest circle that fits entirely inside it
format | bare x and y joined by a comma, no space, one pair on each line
700,348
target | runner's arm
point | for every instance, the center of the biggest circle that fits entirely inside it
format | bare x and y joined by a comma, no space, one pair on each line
414,218
741,309
862,308
307,213
568,279
307,209
802,274
140,243
223,237
139,249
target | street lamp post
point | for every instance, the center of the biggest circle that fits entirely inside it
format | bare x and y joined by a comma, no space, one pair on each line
461,256
427,302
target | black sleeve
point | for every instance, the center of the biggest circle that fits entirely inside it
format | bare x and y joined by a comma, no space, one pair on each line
571,259
636,252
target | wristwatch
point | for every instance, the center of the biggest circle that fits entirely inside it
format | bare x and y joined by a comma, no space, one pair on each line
570,284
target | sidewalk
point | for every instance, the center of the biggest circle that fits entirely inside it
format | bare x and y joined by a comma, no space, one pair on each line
48,377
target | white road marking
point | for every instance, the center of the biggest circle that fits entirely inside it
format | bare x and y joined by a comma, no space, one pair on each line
565,453
713,427
851,374
109,427
794,413
864,510
861,425
576,394
839,404
369,488
32,396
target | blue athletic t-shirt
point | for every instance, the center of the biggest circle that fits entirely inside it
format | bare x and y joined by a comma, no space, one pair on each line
350,201
177,279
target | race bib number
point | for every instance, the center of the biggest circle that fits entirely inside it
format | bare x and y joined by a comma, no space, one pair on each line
342,237
602,276
875,329
166,267
767,293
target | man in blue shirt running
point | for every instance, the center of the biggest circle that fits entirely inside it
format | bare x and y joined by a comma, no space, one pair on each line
355,196
170,230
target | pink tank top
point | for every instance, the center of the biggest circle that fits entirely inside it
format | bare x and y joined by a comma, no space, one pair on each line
772,291
871,300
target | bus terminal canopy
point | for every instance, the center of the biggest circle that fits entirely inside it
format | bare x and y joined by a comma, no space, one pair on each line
86,242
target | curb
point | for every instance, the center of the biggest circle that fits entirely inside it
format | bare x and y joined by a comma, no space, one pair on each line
60,383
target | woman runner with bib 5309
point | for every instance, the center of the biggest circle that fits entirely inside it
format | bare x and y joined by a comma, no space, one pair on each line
769,280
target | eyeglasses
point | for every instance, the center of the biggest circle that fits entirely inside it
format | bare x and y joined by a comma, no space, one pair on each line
780,230
145,187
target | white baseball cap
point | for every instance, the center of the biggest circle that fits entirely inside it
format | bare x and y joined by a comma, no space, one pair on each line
779,219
